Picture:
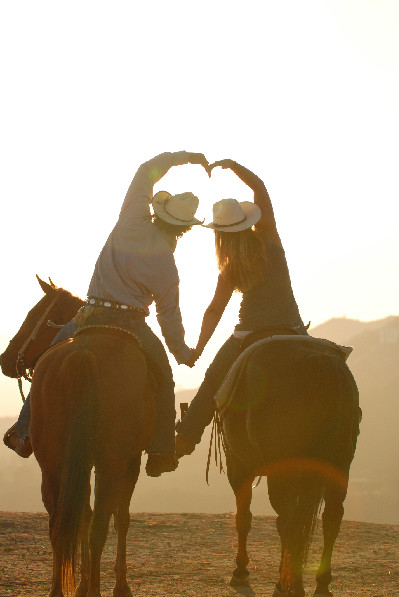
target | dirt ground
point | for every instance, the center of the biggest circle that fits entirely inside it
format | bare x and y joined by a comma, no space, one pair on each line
176,555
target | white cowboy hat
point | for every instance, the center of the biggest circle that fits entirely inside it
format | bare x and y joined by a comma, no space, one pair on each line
230,215
176,209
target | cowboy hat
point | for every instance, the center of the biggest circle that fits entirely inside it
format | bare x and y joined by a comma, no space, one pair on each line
230,215
176,209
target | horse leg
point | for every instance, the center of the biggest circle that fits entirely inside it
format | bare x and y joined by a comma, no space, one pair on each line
242,486
81,589
332,517
104,505
122,522
49,497
281,497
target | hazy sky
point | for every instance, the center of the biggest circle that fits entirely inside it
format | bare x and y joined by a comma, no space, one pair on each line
303,93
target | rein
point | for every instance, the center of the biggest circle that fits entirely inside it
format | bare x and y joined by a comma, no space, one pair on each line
21,352
219,445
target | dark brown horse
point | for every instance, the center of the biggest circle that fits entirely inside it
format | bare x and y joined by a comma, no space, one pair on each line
295,420
89,408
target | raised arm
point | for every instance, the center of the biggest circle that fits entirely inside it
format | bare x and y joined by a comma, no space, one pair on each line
267,223
139,194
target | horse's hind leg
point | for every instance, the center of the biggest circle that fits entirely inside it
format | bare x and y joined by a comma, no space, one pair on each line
332,517
243,493
122,521
104,505
281,495
49,496
81,589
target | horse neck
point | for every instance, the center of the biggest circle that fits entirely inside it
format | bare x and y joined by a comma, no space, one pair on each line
34,336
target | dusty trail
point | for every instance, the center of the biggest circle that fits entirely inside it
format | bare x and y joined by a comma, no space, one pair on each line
192,555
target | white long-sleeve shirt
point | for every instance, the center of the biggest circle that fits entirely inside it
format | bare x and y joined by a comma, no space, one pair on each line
136,265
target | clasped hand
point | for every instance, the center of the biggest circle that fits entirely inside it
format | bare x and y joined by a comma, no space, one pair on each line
195,354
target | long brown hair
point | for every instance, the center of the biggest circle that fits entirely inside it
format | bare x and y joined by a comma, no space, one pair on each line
241,257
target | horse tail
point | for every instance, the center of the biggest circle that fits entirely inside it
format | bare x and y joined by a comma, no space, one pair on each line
333,389
307,497
78,374
324,378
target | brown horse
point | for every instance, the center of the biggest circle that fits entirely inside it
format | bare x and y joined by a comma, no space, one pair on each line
295,419
57,307
91,406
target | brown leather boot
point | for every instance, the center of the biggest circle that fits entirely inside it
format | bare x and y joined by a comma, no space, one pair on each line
22,447
160,463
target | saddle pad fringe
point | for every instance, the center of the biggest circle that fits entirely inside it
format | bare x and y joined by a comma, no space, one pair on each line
219,445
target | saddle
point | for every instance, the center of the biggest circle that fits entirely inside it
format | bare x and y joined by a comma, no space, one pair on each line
154,373
226,392
263,333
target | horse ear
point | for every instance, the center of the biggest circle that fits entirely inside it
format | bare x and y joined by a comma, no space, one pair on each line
53,286
44,286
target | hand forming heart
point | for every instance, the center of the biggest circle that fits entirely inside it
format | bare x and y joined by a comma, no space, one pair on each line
199,158
222,163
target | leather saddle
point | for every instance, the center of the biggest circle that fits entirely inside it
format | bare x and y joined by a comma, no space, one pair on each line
267,333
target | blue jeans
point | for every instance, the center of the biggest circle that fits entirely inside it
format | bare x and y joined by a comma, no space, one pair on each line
202,407
164,439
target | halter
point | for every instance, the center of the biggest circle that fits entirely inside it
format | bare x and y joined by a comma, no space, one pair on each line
32,336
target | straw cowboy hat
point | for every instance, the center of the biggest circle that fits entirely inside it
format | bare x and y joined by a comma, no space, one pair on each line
230,215
176,209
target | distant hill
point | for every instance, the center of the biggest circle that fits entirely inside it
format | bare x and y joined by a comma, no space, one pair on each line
373,494
344,330
374,482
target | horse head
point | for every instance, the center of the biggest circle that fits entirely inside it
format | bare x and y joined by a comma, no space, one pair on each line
55,308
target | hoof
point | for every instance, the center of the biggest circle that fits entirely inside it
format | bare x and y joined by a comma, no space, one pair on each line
124,591
241,580
81,590
278,593
56,593
324,594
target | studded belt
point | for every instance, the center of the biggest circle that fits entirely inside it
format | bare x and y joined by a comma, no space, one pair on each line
93,301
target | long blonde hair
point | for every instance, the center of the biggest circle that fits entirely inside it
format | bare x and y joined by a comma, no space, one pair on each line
241,257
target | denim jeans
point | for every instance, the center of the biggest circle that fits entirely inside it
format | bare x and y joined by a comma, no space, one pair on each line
164,439
202,407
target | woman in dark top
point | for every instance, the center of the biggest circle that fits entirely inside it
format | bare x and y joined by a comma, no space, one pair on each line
251,260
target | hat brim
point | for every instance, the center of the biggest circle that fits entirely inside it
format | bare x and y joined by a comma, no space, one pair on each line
252,215
158,204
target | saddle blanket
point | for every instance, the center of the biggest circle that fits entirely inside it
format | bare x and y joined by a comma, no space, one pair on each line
229,385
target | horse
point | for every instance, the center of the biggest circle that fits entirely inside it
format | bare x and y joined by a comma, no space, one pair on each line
294,418
57,307
91,406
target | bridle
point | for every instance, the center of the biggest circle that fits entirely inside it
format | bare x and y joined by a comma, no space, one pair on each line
22,370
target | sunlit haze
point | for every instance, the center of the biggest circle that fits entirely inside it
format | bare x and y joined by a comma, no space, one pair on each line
305,94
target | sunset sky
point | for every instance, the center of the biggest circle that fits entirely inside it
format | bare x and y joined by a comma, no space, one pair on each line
305,94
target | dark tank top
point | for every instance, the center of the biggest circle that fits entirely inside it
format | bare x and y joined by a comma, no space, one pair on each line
272,302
